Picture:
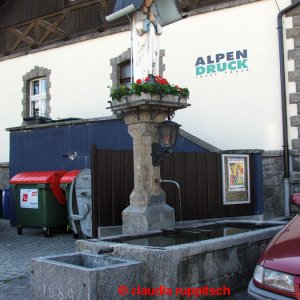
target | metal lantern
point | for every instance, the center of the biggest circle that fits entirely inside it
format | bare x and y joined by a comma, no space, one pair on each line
167,134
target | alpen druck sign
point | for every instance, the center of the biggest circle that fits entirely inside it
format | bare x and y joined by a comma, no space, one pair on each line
227,62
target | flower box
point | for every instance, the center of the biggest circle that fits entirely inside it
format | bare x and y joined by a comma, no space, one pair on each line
156,93
154,87
147,98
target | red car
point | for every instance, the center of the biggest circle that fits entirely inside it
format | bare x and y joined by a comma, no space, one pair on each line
277,274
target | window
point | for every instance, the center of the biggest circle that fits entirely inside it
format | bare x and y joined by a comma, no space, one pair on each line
125,73
121,69
38,97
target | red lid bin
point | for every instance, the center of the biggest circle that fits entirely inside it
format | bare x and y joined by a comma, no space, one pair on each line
69,176
43,177
39,200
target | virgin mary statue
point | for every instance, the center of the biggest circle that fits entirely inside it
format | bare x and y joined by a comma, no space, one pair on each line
145,41
148,18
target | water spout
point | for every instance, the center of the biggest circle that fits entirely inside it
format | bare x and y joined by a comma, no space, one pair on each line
106,250
179,194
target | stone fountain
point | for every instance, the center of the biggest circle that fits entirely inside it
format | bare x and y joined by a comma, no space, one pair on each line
148,209
142,112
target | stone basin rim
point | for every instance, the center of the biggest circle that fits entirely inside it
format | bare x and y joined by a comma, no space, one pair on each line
121,261
216,243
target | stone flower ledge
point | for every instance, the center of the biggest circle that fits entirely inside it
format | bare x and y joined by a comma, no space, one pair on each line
135,101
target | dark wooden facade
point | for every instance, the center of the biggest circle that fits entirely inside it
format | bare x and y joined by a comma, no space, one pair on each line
199,176
48,22
31,24
29,144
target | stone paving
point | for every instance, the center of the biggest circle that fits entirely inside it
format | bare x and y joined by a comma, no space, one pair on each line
16,252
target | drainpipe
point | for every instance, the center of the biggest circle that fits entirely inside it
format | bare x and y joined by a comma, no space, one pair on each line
284,107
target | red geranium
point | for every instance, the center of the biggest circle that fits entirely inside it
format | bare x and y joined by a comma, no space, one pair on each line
161,86
161,80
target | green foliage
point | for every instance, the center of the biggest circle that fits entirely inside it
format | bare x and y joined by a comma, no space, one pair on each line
160,87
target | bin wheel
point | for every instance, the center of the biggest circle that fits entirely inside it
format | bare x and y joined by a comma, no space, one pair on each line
20,230
75,235
69,229
48,233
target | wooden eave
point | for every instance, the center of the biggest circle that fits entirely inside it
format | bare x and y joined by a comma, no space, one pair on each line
81,18
76,22
2,2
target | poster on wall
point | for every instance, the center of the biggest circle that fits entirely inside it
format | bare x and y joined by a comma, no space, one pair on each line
29,198
236,182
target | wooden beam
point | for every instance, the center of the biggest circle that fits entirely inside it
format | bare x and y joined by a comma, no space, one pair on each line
51,28
3,2
22,36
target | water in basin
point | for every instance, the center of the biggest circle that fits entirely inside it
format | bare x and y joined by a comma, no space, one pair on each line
88,261
188,235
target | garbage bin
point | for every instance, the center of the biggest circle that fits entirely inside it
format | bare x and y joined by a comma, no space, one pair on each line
40,202
65,184
9,207
81,199
1,214
12,209
5,204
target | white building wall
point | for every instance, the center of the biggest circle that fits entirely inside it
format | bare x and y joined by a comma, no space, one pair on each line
238,110
230,111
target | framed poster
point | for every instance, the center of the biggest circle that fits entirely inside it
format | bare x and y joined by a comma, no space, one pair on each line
235,177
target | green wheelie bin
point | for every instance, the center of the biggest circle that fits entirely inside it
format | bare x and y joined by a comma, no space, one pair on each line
40,202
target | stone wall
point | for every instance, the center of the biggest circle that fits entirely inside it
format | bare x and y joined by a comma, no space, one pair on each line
273,183
294,98
4,175
237,262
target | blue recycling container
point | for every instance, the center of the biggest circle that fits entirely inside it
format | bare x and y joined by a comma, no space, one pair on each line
12,209
5,204
1,214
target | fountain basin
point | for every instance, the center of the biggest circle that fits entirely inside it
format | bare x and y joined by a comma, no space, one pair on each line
189,234
83,275
223,261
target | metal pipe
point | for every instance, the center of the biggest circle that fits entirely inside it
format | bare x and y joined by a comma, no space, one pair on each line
179,194
170,181
284,107
131,50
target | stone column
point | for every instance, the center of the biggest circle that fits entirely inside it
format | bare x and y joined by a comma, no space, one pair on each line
148,209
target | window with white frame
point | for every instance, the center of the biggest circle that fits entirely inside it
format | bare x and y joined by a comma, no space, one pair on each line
38,97
36,94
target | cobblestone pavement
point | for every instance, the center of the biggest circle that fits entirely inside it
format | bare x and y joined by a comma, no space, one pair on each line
16,252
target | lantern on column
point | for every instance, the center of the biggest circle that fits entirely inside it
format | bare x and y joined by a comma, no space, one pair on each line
167,134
